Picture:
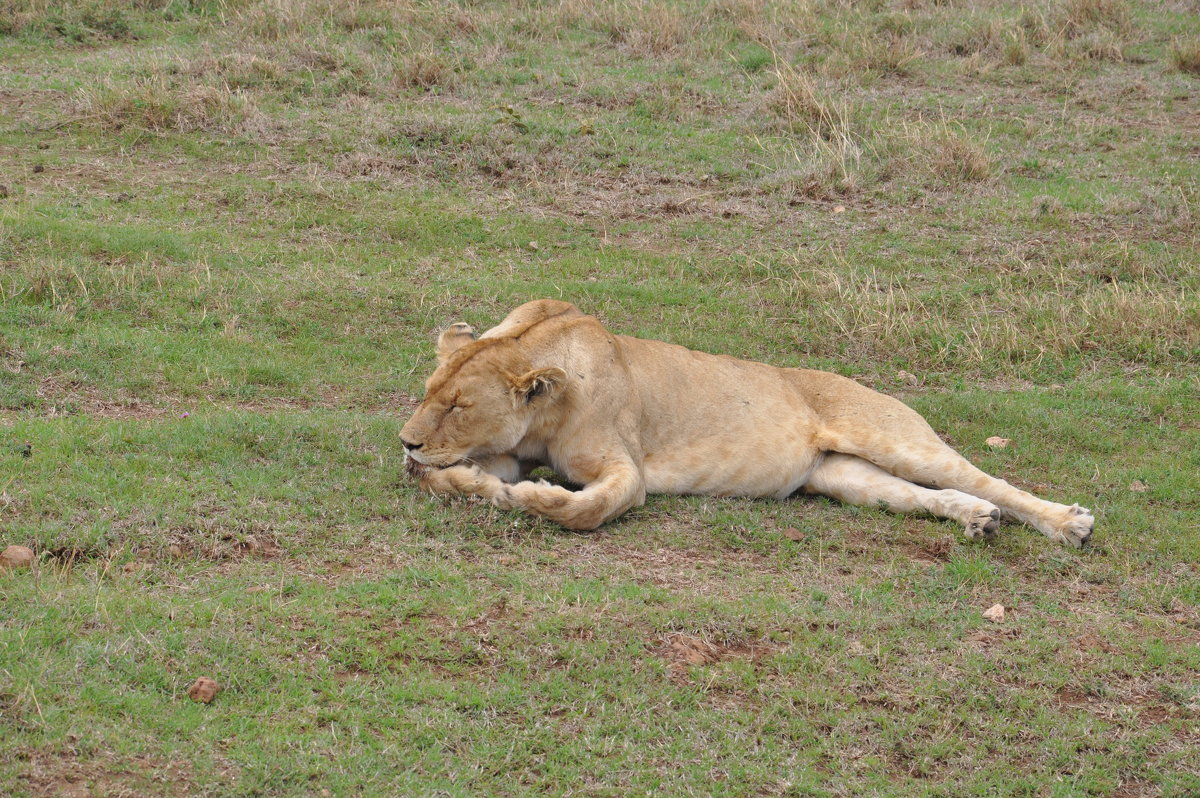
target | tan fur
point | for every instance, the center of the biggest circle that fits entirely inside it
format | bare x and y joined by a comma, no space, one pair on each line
623,417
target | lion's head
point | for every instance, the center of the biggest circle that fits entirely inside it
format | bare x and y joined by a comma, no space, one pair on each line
480,401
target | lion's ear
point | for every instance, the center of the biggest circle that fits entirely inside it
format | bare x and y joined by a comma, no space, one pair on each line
452,339
537,384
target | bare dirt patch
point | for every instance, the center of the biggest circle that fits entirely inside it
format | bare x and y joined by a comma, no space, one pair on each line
684,651
932,552
65,773
66,397
988,639
674,569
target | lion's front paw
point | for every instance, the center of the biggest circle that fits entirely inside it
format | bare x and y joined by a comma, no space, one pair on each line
455,479
1076,529
466,478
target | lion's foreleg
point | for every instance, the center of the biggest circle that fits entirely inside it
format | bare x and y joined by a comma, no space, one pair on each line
459,479
472,480
613,493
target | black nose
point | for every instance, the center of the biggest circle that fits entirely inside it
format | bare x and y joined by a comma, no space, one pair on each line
412,447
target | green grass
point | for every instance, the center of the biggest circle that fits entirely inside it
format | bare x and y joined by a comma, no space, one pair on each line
230,230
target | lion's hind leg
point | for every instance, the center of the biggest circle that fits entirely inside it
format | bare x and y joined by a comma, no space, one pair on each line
902,443
855,481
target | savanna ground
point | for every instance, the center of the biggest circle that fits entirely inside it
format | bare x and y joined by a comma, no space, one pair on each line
230,230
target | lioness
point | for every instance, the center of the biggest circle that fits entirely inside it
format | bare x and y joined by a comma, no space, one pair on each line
622,417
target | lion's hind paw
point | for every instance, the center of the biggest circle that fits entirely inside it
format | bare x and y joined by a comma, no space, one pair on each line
984,524
1077,528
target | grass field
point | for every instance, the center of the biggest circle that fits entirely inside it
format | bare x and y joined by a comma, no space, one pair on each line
230,229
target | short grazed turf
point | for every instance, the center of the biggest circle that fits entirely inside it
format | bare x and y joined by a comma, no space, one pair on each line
229,231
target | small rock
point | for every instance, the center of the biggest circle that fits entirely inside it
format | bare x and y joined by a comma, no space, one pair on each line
791,533
1137,486
38,168
17,557
203,690
839,208
533,245
996,442
994,613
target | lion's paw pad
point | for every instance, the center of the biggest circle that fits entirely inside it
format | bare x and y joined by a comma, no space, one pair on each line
984,523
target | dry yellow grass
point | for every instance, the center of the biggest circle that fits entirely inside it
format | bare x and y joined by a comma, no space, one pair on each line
885,314
646,28
1016,47
155,104
1185,55
1078,16
796,99
950,154
426,69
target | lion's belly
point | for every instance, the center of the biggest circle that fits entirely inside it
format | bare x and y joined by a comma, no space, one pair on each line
774,465
718,426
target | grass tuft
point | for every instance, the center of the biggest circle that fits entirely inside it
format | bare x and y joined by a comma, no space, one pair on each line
996,39
426,70
887,52
1080,16
840,152
1097,30
797,100
648,28
951,154
1185,55
1016,47
154,104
